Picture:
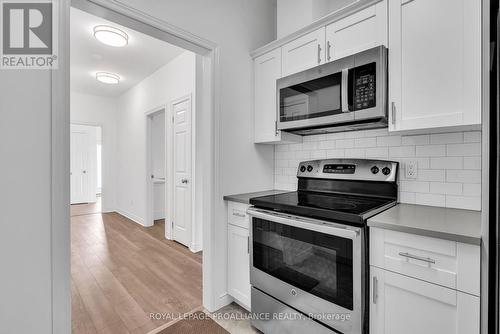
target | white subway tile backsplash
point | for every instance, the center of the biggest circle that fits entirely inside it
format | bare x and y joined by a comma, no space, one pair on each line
389,141
446,188
461,150
463,202
414,186
430,199
449,164
431,175
472,162
472,136
472,190
431,150
365,142
345,143
463,176
447,138
416,140
401,151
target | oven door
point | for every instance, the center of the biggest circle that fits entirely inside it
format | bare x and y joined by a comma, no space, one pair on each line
310,265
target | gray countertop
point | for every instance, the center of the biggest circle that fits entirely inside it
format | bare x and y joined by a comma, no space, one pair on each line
245,198
443,223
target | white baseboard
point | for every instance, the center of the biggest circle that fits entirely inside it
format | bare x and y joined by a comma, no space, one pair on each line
223,300
131,216
195,248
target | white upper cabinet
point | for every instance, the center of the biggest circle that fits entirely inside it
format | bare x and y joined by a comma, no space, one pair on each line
267,69
304,52
434,63
357,32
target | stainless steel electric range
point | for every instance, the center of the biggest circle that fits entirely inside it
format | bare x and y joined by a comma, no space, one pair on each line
309,248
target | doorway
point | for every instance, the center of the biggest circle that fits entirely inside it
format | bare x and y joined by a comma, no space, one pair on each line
207,143
85,169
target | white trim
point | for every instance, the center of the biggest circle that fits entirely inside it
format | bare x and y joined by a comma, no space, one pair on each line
60,248
132,217
150,215
209,140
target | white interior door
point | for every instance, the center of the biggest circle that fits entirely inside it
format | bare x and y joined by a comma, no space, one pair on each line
83,164
182,199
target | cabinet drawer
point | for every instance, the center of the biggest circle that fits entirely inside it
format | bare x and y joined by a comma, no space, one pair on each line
447,263
237,214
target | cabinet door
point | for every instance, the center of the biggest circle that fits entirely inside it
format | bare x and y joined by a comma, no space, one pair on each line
304,52
434,63
401,304
238,265
267,69
357,32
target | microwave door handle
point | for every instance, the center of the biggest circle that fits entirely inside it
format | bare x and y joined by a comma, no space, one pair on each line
344,104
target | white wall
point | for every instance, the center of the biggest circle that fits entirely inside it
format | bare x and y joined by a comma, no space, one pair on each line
449,164
238,27
293,15
174,80
98,110
25,209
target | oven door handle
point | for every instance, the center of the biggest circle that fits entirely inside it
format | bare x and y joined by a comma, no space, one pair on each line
344,231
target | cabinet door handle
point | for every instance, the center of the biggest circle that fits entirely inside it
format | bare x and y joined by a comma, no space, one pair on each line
393,111
248,244
319,53
328,47
375,289
416,257
239,214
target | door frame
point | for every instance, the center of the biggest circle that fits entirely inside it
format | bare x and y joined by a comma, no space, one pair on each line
208,154
149,219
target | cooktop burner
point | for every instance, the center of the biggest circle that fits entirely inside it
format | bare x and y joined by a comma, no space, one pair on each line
342,190
323,206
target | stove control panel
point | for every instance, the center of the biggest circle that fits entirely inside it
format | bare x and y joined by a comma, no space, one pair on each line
349,169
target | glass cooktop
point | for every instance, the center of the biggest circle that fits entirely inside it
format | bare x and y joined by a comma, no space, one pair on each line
338,207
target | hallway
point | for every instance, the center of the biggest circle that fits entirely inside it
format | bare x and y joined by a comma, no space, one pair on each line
121,272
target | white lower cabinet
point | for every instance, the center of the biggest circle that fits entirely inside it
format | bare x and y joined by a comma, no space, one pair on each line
238,263
401,304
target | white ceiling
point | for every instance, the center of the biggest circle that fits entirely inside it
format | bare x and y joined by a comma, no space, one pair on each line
141,57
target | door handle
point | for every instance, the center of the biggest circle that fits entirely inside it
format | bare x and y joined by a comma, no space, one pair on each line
185,181
319,54
375,289
84,172
328,47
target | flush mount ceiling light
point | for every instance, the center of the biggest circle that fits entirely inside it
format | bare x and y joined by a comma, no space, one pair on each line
110,36
108,78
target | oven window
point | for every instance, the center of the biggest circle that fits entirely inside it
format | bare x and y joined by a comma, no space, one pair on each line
318,263
311,99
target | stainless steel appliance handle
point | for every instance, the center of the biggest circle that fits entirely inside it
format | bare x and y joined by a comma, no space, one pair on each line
344,231
343,90
375,289
393,110
416,257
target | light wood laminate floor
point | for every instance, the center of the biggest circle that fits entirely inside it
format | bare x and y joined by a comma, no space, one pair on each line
121,272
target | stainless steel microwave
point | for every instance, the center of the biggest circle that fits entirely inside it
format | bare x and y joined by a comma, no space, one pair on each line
343,95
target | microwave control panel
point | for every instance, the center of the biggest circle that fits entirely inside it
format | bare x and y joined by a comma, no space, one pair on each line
364,86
